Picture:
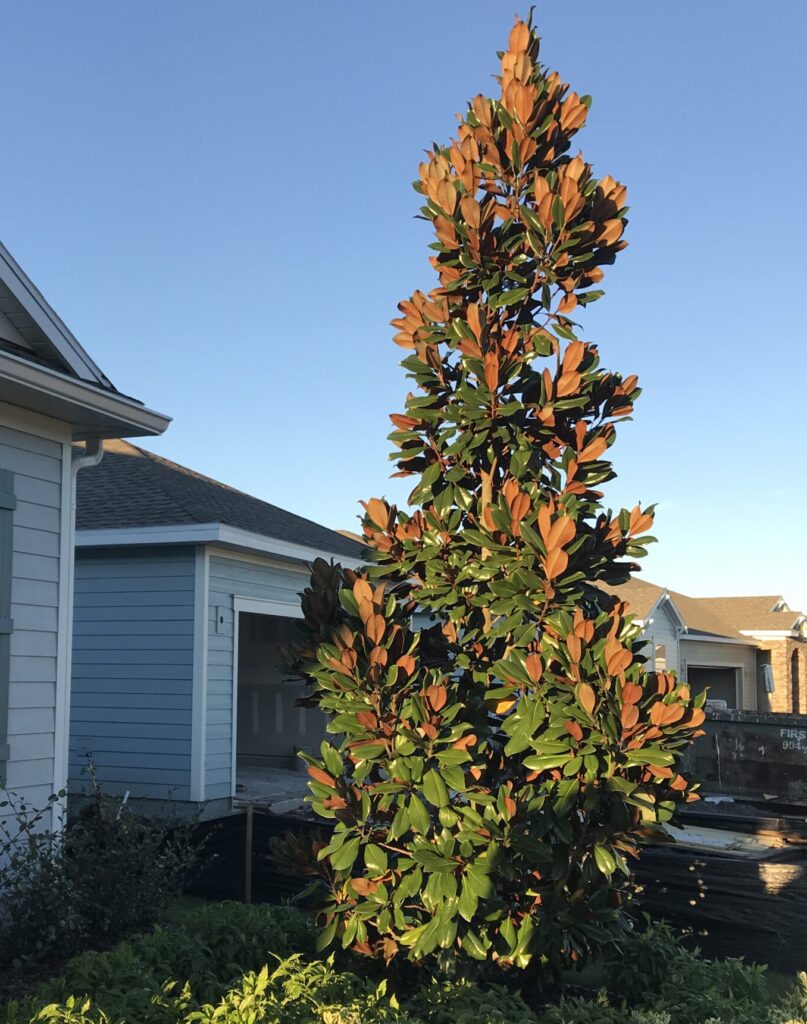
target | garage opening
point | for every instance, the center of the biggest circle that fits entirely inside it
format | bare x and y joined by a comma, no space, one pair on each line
270,729
720,682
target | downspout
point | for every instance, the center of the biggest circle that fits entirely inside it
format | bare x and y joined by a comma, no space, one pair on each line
91,455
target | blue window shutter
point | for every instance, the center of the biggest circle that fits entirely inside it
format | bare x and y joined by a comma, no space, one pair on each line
7,505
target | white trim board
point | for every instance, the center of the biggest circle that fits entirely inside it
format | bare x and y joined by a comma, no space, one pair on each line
664,601
208,533
258,606
199,698
64,640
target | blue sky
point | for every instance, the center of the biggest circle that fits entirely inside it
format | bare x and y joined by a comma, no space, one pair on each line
216,198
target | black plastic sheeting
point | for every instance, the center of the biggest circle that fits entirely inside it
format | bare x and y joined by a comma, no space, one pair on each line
224,857
732,905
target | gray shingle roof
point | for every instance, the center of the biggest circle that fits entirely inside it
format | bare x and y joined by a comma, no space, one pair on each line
134,487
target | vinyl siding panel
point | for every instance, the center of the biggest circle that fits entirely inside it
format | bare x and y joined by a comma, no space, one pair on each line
661,629
37,463
229,578
133,670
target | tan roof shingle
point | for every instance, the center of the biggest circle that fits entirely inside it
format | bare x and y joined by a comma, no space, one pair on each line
754,613
642,595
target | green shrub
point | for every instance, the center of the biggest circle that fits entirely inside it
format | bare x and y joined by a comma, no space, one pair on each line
496,769
215,944
125,868
38,896
293,993
230,964
658,972
108,873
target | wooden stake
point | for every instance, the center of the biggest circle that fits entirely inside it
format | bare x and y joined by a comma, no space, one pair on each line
248,857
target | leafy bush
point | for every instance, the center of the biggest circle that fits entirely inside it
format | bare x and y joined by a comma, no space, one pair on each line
125,868
661,972
37,895
231,964
108,873
214,945
497,768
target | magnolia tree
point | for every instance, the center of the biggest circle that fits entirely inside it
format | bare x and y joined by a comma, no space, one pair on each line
499,750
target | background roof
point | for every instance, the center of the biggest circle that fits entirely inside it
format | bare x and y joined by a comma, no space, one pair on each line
133,487
753,613
698,616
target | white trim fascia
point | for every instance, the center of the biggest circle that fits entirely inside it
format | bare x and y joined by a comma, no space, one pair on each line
666,599
110,414
64,627
184,533
47,320
209,533
199,698
770,634
286,549
711,639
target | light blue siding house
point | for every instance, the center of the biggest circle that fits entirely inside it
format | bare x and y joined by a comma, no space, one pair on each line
56,408
185,591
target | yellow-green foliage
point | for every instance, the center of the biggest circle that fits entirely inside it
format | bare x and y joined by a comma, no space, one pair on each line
230,964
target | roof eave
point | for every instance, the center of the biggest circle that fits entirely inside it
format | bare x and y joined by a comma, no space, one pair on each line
30,299
219,534
91,411
717,638
665,598
770,634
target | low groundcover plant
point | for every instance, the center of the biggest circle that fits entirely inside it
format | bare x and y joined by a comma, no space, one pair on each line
232,964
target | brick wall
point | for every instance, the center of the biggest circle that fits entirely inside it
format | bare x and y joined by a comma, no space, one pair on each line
780,654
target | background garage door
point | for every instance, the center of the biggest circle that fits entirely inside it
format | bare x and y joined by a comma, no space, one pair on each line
721,683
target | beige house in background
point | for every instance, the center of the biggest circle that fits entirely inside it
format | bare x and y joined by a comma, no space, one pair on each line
750,651
781,637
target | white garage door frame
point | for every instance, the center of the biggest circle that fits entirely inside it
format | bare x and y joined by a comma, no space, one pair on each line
254,606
